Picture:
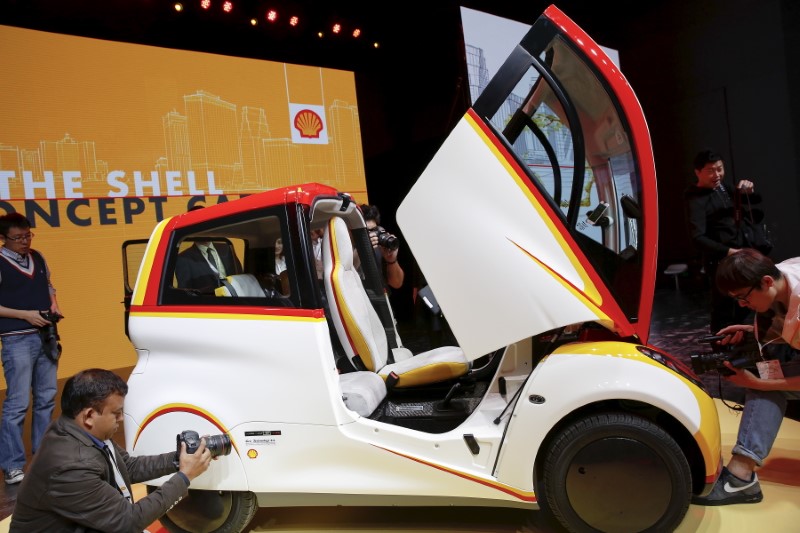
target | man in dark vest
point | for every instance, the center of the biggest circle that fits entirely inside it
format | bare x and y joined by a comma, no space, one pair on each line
25,292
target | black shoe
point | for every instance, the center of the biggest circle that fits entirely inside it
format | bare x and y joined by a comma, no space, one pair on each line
729,489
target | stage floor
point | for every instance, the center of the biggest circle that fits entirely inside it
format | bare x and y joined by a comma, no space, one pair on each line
778,513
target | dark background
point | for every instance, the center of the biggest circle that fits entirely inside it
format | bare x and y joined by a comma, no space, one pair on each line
708,73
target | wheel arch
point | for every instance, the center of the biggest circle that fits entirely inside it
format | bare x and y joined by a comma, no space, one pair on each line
653,413
227,472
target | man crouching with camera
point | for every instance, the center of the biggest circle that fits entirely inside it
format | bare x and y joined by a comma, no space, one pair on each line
80,480
773,292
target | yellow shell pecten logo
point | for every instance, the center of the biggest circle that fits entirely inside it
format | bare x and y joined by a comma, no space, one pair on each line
308,123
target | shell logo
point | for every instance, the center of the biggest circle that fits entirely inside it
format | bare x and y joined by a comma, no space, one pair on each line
252,454
308,123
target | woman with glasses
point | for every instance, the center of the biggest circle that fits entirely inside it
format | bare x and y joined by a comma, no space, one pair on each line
25,292
773,292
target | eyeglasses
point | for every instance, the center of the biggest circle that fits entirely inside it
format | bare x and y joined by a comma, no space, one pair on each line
20,238
744,297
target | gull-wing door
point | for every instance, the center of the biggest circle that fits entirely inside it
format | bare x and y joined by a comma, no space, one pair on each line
543,199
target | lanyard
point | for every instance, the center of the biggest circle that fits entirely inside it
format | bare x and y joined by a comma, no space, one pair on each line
108,448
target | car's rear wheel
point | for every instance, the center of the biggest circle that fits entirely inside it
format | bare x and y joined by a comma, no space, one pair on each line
615,472
211,511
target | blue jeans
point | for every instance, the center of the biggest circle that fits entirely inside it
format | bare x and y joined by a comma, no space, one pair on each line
27,369
762,417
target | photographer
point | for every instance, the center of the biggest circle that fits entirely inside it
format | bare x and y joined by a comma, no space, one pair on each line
80,480
28,366
773,292
386,246
711,219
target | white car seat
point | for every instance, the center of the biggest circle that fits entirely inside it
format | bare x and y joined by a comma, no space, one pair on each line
360,330
242,285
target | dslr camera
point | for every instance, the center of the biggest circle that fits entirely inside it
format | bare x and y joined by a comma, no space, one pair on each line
739,358
216,444
50,336
385,239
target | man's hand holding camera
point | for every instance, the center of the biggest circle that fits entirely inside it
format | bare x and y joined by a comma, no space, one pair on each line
39,318
737,374
194,453
388,242
194,464
389,246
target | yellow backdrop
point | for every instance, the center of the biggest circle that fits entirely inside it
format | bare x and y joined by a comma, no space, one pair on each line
100,140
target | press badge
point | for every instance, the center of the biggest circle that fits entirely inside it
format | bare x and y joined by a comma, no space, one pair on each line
769,369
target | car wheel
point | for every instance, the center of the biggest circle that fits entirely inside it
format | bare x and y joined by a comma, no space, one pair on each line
615,472
210,511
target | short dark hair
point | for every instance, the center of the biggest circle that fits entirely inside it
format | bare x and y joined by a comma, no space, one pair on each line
705,157
13,220
745,268
90,388
370,212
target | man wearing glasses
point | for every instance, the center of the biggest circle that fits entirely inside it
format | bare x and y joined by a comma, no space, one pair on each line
773,292
25,291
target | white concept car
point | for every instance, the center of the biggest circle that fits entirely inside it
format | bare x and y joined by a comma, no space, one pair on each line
551,397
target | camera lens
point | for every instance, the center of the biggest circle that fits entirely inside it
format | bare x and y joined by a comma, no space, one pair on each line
219,444
390,242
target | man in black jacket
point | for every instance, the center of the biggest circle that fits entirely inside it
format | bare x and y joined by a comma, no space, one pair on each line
203,264
80,480
711,217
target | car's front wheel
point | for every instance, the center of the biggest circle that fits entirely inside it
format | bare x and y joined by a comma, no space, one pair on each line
211,511
615,472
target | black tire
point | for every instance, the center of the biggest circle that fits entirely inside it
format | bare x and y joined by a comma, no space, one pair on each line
615,472
211,511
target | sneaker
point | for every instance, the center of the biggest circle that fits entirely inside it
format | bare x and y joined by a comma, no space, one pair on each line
729,489
14,475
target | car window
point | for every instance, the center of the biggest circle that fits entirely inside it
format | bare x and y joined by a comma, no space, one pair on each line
231,263
561,123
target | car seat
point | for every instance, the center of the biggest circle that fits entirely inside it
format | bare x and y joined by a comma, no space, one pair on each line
360,330
242,285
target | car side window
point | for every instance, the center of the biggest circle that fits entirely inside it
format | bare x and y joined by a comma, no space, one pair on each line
226,262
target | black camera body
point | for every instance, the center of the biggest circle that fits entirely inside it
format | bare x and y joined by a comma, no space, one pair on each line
702,363
50,336
216,444
385,239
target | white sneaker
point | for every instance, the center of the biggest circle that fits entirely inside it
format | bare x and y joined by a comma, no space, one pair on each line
14,475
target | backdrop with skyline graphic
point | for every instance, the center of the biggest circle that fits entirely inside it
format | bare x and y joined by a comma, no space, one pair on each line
100,140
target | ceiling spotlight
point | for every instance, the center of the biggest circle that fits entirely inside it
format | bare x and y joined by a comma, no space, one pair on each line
294,21
205,4
227,7
178,7
337,28
320,34
271,15
376,45
253,22
356,32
